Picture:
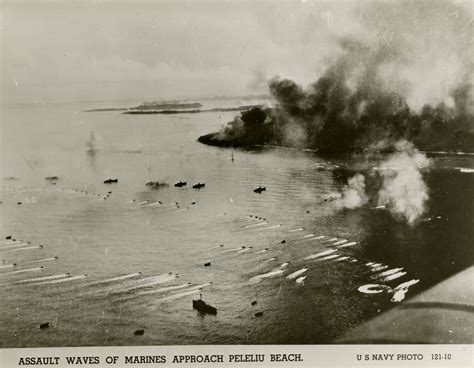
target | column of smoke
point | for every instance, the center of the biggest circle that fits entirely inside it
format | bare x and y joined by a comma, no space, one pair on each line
406,74
353,194
91,145
403,191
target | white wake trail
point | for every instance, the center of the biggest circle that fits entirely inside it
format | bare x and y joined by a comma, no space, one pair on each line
321,254
36,279
23,271
268,228
13,245
295,274
67,279
350,244
255,225
388,273
394,276
41,260
118,278
26,248
192,290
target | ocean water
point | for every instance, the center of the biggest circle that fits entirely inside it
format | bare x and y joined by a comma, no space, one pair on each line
143,249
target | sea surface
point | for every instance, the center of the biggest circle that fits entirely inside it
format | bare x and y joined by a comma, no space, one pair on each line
99,261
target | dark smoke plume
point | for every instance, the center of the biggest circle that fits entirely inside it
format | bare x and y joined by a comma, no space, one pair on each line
361,103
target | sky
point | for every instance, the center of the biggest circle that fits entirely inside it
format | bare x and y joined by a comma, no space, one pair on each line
104,51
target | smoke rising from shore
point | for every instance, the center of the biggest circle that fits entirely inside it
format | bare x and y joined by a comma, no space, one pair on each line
407,74
404,193
353,194
402,190
401,83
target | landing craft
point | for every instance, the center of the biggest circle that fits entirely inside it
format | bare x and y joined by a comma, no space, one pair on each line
203,307
199,185
155,184
110,181
259,190
180,184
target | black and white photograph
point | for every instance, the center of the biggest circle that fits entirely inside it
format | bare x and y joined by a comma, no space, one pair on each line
236,173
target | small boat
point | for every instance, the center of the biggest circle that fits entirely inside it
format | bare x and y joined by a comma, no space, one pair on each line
155,184
203,307
110,181
259,190
180,184
199,185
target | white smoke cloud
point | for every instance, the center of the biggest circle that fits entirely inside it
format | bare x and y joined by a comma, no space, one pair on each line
404,193
353,194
